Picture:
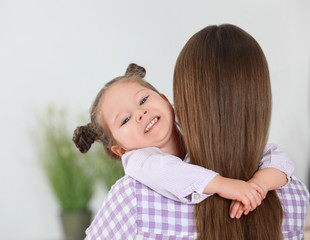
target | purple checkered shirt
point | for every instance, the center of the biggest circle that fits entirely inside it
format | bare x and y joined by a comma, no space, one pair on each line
133,211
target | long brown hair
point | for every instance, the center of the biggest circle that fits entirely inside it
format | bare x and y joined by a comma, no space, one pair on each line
222,99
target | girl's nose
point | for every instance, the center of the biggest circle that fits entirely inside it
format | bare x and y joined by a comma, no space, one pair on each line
140,115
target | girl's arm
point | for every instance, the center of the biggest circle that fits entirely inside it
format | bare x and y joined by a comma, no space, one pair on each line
275,169
181,181
274,172
173,178
167,174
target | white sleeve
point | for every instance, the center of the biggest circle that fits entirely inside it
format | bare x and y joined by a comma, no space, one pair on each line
275,157
168,175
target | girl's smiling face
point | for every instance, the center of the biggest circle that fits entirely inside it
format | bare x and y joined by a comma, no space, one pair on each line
137,116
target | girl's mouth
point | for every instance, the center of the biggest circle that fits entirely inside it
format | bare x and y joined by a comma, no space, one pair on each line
150,125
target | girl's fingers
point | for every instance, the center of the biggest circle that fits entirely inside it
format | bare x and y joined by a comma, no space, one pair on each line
259,190
256,200
239,212
246,201
234,207
249,202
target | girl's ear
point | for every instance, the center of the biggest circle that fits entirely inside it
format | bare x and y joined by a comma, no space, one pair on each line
164,97
118,150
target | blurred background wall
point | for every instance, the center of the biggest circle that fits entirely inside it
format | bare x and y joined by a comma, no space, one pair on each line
63,51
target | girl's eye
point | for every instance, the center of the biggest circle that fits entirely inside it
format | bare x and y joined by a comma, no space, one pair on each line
144,100
125,121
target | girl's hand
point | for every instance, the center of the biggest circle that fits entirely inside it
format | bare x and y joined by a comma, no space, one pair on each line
249,194
237,208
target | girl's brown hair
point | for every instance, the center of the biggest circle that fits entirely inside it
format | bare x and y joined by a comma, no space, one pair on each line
222,98
96,130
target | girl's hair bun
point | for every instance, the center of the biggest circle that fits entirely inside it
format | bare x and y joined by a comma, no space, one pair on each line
84,137
135,70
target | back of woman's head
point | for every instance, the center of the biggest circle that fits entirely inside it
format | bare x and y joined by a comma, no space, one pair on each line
222,100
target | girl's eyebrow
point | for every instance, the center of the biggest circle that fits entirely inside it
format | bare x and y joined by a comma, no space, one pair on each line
143,89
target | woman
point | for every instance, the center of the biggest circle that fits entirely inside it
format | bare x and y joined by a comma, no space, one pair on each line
223,104
223,72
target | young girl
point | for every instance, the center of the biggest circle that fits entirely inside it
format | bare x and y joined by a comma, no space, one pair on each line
137,123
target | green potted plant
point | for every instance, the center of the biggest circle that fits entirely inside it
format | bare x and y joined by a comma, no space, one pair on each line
72,175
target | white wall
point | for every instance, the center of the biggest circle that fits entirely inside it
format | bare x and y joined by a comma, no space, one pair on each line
63,51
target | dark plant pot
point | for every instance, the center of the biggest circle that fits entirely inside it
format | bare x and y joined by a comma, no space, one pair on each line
75,223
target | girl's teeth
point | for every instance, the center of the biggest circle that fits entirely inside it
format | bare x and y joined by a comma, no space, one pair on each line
150,124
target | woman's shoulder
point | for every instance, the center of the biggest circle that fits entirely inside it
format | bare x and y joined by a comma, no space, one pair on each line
123,191
116,219
295,201
124,183
132,210
158,217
